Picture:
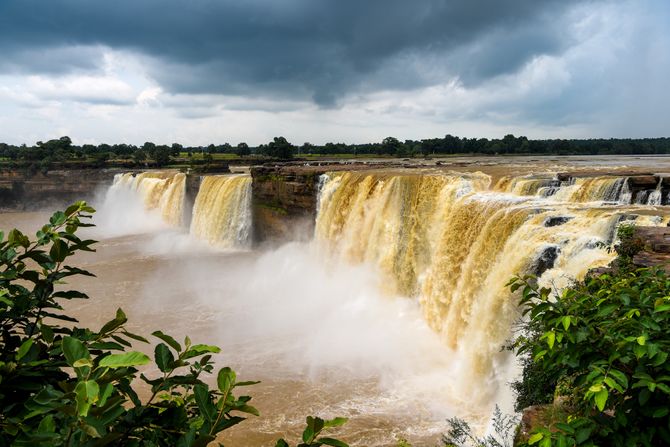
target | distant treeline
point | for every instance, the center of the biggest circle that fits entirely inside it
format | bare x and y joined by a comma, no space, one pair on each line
510,144
62,149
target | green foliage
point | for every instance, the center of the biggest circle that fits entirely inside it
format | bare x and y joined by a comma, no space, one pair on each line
139,156
62,153
311,436
628,246
280,148
535,387
161,155
62,385
608,339
242,150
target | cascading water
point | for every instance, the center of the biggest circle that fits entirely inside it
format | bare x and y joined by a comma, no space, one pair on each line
152,200
577,190
592,189
453,244
525,186
222,211
389,220
656,196
141,203
626,195
160,191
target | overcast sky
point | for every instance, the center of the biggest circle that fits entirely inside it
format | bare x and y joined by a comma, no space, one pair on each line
202,71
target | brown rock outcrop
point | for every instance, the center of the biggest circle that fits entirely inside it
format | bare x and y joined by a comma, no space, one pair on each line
23,191
284,202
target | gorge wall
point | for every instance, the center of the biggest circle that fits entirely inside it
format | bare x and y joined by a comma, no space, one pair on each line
284,201
24,191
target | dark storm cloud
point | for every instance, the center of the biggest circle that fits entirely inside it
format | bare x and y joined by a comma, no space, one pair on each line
302,49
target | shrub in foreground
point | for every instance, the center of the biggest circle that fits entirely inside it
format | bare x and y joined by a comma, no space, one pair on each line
607,341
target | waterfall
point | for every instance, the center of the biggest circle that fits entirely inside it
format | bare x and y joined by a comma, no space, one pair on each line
150,200
626,195
525,186
641,197
222,211
656,196
591,189
388,220
578,190
451,243
160,192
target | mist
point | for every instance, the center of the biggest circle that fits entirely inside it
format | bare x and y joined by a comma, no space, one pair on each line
326,334
120,211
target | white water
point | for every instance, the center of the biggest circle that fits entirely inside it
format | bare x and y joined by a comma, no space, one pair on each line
222,211
122,211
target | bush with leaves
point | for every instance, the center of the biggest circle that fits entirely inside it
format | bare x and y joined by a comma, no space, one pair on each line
610,338
62,385
311,436
535,386
629,244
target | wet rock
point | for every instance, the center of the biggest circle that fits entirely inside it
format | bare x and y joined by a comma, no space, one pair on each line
546,259
531,417
554,221
642,181
655,238
594,243
655,243
652,259
601,271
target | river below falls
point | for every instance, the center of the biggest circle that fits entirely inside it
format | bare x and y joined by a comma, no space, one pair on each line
321,340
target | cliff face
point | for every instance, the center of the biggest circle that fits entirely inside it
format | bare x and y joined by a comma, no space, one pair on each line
284,202
21,191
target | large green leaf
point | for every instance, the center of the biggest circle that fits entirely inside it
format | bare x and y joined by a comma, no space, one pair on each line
248,409
24,348
202,398
74,350
58,218
133,358
225,380
116,323
197,350
167,339
59,251
164,357
335,422
86,395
